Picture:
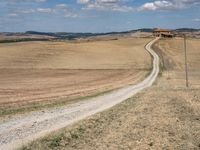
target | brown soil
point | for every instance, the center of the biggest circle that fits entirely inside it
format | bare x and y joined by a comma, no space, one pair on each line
165,116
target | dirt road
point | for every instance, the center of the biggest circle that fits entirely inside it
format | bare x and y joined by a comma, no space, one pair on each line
20,130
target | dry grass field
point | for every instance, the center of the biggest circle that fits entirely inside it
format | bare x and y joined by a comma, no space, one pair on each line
172,54
116,54
41,73
165,116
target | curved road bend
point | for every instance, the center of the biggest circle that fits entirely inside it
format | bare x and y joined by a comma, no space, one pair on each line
20,130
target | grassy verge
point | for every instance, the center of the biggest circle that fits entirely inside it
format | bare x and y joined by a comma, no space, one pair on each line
149,72
161,66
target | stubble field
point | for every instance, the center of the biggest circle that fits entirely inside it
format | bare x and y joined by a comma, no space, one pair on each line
35,74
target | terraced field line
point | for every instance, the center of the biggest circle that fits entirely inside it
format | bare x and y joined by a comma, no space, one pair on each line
21,130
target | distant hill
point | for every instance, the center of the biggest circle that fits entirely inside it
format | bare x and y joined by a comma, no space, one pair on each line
187,30
35,36
70,36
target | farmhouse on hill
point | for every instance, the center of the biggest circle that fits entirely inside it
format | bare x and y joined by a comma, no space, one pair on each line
163,33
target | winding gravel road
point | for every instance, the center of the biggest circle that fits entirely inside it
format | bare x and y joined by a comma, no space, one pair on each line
20,130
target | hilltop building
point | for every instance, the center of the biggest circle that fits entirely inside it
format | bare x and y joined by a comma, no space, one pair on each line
163,33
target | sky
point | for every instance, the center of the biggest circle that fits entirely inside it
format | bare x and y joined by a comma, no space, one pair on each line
97,15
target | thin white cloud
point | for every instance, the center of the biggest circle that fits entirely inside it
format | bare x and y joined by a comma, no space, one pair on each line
45,10
13,15
83,1
59,9
168,4
61,6
157,5
123,9
112,5
196,19
25,11
70,15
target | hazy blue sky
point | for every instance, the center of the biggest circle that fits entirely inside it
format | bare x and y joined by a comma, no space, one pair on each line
97,15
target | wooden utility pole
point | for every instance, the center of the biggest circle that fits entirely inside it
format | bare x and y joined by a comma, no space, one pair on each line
186,67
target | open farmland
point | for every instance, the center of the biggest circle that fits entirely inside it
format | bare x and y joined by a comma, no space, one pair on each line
172,55
42,73
165,116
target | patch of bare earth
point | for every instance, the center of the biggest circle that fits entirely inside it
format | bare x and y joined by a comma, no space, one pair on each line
165,116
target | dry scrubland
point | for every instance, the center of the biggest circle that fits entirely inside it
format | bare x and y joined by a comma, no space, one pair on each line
165,116
39,74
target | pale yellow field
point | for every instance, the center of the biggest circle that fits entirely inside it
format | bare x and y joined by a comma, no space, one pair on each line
116,54
50,72
172,53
